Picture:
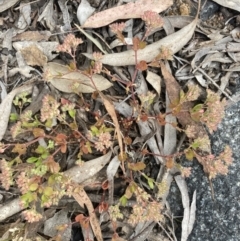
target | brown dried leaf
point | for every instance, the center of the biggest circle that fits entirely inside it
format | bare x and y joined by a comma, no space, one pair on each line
82,198
34,56
111,111
183,116
129,10
65,80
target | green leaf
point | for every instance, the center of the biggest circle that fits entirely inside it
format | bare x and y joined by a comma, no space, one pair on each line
49,123
123,200
33,187
14,117
195,145
40,150
51,144
45,155
197,107
189,154
32,159
150,183
94,130
48,191
72,113
44,198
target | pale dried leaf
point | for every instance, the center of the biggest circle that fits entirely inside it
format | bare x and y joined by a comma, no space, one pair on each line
6,106
129,10
154,80
173,42
3,91
235,34
46,18
142,230
81,173
24,70
34,56
46,47
66,18
82,198
200,79
59,218
84,11
192,216
233,4
111,171
32,36
185,201
7,41
62,78
115,43
24,18
6,4
170,132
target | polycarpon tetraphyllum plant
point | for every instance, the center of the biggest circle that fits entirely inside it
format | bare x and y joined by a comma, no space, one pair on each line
42,182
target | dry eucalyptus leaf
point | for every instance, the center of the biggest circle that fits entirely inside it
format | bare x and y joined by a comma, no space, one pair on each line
170,132
117,42
46,47
80,174
233,4
6,106
129,10
6,4
66,18
173,42
111,171
24,18
182,185
32,36
69,81
84,11
59,218
46,18
154,80
236,34
34,56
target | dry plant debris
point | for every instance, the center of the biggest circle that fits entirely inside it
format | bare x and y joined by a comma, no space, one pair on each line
95,128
